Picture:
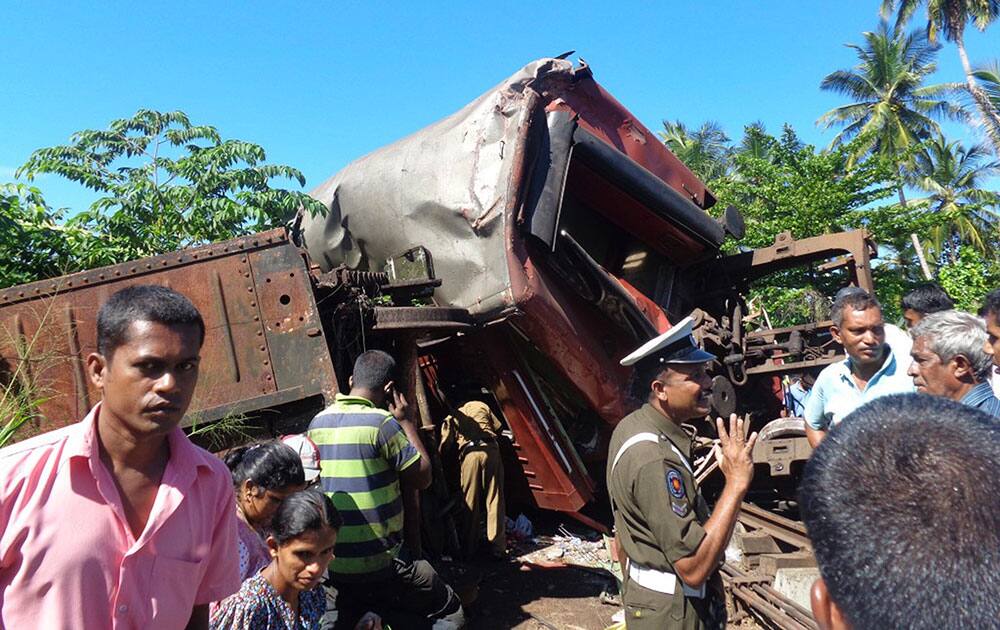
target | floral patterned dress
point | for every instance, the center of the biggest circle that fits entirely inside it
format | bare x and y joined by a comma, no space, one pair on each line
257,606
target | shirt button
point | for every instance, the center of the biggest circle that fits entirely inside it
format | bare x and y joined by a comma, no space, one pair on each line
123,608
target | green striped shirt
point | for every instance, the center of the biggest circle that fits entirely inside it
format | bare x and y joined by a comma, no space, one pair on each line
362,451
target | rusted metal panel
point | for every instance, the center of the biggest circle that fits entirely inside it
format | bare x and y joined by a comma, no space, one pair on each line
296,348
53,324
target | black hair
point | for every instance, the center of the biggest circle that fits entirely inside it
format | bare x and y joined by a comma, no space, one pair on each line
851,297
301,512
271,465
991,304
900,502
926,298
373,369
143,303
644,373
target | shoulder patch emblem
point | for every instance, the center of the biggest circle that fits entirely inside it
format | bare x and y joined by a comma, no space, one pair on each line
675,484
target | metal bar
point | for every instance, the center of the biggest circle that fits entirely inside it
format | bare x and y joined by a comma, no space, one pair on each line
787,523
773,614
776,531
737,579
79,377
21,347
543,421
220,309
248,405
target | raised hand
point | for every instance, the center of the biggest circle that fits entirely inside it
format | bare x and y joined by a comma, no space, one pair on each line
734,453
398,405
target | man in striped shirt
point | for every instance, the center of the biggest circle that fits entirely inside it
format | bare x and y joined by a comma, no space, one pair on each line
369,458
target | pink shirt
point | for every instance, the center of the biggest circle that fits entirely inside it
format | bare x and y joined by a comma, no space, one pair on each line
68,558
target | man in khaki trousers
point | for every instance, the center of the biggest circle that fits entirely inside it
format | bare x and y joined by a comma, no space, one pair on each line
473,429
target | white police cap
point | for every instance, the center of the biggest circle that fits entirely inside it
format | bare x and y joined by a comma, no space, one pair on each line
677,345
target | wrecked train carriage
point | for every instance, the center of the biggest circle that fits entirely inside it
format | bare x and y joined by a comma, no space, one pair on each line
560,223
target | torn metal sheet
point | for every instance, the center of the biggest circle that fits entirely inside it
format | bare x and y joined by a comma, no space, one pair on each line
445,187
460,186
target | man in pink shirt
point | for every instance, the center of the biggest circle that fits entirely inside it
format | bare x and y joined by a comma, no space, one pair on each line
119,521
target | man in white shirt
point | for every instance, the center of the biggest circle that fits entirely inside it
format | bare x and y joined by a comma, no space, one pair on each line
870,370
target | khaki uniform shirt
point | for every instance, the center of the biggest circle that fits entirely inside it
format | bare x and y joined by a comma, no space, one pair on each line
659,517
473,423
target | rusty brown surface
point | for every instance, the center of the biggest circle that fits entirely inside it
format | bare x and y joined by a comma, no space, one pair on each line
259,351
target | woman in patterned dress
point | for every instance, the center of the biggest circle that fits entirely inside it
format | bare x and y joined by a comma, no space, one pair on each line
263,475
287,594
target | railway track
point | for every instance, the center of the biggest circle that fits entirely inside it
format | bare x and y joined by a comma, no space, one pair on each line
753,590
781,528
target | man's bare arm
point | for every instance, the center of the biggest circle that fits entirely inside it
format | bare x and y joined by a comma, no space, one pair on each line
735,457
417,475
815,436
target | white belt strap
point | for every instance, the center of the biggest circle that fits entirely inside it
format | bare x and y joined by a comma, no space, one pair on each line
660,581
632,441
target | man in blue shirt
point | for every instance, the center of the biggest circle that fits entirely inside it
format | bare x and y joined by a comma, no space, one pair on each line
870,370
949,360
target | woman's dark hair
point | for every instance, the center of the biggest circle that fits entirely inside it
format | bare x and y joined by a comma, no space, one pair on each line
305,511
270,465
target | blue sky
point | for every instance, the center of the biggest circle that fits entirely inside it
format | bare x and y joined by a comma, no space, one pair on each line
319,84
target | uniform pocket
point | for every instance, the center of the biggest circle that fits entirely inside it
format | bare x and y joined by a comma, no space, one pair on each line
643,603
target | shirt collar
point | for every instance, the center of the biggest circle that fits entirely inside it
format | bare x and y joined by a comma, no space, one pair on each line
346,399
977,395
83,444
889,365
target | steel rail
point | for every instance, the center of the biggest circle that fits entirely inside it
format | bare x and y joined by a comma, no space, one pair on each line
787,530
785,606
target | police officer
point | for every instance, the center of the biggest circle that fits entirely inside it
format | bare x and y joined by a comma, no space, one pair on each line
670,547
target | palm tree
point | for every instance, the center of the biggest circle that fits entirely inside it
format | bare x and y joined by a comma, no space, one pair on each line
755,142
892,110
989,77
950,17
951,174
704,150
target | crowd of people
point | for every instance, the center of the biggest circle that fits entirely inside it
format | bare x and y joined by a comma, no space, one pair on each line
120,521
898,498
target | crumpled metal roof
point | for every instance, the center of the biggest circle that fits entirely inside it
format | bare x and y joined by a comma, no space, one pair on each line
446,187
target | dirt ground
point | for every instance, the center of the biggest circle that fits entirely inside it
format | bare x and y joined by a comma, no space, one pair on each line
524,597
566,598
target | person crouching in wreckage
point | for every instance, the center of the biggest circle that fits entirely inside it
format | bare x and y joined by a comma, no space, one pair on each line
672,547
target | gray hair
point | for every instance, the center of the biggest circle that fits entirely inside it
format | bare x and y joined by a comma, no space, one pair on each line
952,333
854,297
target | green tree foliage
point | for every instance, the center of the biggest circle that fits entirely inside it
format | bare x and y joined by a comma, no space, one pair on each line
33,241
798,189
989,78
950,17
968,278
781,184
704,150
166,184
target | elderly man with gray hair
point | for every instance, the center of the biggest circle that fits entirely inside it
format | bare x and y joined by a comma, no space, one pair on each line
949,360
